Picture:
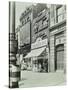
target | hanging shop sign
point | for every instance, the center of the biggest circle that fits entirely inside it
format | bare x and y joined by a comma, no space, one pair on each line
39,43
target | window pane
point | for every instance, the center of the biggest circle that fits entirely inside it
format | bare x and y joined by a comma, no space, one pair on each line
60,18
40,24
59,11
45,23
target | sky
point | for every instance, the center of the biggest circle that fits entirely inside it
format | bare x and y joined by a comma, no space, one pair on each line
20,8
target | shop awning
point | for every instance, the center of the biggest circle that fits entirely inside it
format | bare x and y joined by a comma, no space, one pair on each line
35,52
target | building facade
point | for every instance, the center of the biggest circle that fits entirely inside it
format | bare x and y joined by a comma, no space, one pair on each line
40,25
57,37
38,57
43,31
23,34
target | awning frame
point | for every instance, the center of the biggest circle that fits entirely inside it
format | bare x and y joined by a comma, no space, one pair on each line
38,53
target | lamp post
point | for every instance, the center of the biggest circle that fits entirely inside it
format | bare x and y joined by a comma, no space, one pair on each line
14,71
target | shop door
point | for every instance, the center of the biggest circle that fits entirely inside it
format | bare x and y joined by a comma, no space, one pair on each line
60,57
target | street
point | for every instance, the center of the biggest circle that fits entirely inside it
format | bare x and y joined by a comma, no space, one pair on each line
37,42
36,79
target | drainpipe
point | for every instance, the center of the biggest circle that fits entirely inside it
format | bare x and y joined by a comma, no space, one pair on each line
14,71
48,36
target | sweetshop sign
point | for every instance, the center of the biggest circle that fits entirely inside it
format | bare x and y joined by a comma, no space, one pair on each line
39,43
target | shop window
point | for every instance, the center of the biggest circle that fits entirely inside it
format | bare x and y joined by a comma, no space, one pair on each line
60,13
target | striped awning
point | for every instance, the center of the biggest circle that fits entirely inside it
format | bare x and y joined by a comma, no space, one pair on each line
35,52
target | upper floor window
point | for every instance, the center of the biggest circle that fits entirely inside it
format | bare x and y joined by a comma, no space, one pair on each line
35,28
45,23
40,24
23,21
28,18
60,11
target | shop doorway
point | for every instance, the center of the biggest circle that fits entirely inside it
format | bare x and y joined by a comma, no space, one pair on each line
43,65
59,61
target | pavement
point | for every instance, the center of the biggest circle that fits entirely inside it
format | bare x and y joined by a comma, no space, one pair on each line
37,79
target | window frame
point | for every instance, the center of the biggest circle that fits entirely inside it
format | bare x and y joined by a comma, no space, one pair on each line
60,15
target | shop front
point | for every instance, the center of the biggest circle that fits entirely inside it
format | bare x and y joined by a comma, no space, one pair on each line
38,56
40,64
60,57
58,49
